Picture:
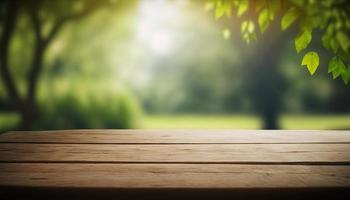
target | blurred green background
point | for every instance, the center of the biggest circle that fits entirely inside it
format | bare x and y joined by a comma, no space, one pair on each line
165,64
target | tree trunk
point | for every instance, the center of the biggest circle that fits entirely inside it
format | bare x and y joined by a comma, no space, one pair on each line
264,80
270,120
9,22
30,110
29,114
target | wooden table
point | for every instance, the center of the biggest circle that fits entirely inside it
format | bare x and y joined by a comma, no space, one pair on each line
166,164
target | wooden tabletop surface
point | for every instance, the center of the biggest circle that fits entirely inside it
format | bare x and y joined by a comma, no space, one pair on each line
175,162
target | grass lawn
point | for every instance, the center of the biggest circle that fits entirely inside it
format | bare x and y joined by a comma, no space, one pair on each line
201,121
316,122
245,121
8,121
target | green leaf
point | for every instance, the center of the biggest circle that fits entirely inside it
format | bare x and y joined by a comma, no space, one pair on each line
274,6
243,7
336,66
326,41
290,17
248,31
303,40
311,60
219,12
251,26
226,33
334,45
343,40
244,26
264,20
222,8
249,37
330,29
346,75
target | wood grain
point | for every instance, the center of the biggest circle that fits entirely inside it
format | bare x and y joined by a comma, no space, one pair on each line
177,136
117,164
172,176
185,153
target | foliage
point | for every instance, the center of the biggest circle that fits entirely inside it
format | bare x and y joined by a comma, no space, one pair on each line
69,111
330,17
41,21
311,60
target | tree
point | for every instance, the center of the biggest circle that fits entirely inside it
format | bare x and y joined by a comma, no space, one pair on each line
265,87
44,15
264,83
331,17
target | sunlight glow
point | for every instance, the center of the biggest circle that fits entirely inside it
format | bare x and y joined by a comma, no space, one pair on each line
153,27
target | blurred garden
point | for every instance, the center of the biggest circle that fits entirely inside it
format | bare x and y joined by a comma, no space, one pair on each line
157,64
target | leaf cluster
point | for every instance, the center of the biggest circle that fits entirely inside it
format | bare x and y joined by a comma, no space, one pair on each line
330,17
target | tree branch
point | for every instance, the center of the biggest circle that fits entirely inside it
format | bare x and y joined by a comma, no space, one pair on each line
36,23
8,29
59,23
36,65
41,45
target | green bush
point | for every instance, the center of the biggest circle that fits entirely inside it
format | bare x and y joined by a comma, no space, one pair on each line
71,111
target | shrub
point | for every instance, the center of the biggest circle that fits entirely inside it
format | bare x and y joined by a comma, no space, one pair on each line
71,111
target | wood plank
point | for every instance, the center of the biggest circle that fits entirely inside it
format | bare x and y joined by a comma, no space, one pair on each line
157,176
203,153
177,136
